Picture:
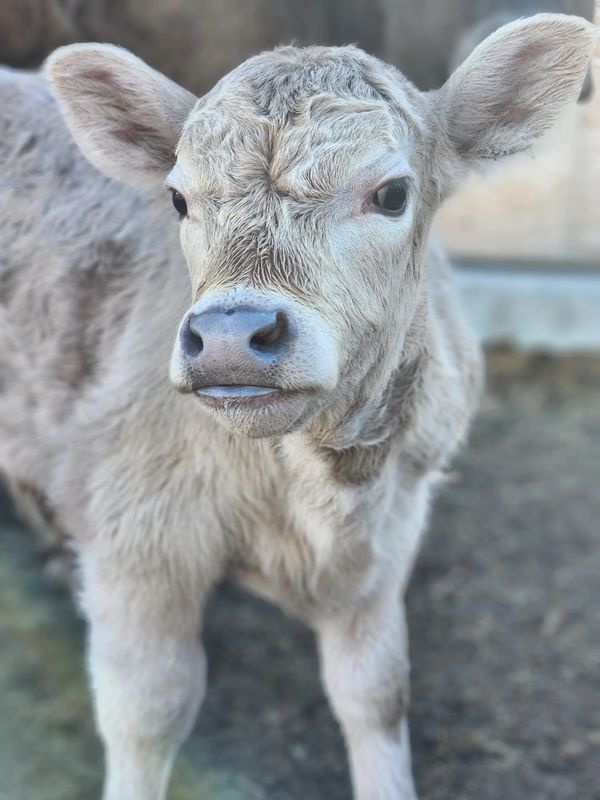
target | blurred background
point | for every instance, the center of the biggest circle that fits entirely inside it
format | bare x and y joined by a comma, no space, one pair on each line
504,605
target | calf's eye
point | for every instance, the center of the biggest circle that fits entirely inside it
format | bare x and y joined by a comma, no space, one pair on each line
392,198
179,203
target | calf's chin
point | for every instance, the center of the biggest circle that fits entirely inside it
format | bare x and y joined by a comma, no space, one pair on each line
273,417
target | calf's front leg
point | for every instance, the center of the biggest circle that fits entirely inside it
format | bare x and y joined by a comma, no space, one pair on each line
147,668
365,670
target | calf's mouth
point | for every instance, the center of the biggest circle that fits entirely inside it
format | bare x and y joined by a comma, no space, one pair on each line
239,395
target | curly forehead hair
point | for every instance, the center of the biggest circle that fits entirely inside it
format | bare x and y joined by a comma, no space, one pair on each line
282,82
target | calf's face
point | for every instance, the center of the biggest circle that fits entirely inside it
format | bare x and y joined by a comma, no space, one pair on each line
297,212
305,182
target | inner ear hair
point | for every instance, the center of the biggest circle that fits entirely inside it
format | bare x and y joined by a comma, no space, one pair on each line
125,116
510,90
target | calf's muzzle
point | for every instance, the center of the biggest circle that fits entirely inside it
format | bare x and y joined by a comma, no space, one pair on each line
238,345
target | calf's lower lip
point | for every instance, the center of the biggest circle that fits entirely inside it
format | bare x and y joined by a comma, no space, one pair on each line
242,394
237,391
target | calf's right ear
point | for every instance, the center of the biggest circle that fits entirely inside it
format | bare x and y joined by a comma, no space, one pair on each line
511,89
125,116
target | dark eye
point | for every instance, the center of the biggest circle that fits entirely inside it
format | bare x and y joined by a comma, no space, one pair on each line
179,203
392,197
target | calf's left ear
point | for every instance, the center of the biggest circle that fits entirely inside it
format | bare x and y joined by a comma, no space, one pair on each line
510,90
125,116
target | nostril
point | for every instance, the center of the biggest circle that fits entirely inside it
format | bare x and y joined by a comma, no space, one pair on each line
191,340
272,335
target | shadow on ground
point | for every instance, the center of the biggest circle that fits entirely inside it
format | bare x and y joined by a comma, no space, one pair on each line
505,633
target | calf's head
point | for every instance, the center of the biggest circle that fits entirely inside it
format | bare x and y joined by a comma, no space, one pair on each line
305,183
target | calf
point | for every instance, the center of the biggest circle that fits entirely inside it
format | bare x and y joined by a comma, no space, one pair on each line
325,373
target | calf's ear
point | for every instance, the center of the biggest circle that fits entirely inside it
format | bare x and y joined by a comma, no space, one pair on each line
512,87
125,116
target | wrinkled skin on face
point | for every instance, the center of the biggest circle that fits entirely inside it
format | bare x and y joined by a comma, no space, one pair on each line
279,186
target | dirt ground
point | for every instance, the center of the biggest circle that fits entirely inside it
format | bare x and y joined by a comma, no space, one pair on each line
505,635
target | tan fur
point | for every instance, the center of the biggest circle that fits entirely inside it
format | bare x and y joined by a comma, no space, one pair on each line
319,507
